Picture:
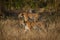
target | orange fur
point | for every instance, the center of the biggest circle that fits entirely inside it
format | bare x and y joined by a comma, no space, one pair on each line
33,16
29,24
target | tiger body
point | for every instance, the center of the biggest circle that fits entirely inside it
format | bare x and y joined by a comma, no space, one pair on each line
34,23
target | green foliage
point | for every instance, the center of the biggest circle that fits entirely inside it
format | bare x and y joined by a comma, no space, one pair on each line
31,3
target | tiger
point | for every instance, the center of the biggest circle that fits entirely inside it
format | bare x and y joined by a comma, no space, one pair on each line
32,24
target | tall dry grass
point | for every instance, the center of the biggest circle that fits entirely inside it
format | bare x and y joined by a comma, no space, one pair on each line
10,29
